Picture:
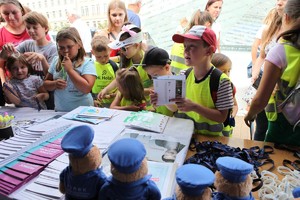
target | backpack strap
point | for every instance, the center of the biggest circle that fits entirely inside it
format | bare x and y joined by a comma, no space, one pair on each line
114,65
187,72
214,83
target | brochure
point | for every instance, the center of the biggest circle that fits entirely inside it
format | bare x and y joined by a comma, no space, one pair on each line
169,87
145,120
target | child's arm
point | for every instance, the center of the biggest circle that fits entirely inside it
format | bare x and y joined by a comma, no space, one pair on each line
10,94
117,102
107,89
186,105
84,83
33,57
235,107
51,84
42,95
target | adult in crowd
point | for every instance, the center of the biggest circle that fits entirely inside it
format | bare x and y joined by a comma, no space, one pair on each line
268,40
214,7
83,29
281,72
133,9
117,15
14,31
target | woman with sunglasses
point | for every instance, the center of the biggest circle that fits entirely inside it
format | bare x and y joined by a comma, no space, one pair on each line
132,54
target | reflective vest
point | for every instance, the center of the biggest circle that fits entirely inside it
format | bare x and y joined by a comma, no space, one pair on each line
105,75
287,81
177,57
164,111
200,94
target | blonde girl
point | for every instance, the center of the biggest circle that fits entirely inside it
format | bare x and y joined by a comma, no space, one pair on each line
130,94
71,76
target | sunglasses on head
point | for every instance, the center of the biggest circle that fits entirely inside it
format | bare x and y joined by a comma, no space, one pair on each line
126,47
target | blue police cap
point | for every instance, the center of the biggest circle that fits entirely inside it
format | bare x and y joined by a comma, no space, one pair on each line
234,169
78,141
296,192
126,155
193,179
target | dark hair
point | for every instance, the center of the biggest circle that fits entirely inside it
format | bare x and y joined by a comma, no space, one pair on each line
210,2
71,33
99,43
219,59
131,83
292,9
18,57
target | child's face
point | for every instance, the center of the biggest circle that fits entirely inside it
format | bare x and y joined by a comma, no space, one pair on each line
130,50
19,71
117,17
36,31
226,68
101,57
67,47
155,70
194,52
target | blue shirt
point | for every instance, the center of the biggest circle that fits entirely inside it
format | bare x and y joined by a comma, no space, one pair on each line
142,189
70,98
85,186
134,18
222,196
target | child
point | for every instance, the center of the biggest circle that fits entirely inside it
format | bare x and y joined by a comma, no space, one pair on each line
105,68
208,116
132,54
129,97
23,89
157,63
71,76
177,50
39,51
223,63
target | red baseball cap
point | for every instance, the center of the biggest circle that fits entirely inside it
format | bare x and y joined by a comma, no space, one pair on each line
198,33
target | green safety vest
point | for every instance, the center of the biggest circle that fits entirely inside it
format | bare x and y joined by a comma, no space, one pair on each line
287,81
105,75
164,111
200,94
177,57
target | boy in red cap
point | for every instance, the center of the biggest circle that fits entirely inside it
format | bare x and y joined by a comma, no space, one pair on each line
207,108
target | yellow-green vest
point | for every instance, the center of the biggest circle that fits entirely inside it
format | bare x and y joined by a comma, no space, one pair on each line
287,81
200,94
164,111
105,75
177,57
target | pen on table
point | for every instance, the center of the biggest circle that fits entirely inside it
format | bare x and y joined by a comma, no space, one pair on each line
38,104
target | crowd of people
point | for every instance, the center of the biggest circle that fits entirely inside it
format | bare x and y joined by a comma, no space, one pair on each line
115,68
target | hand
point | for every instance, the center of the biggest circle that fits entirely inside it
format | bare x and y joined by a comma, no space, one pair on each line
67,63
249,118
60,84
40,97
153,97
101,95
33,57
7,50
183,104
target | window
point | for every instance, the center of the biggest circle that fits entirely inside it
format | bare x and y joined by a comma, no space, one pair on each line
59,13
46,3
93,10
53,14
87,11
